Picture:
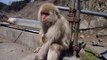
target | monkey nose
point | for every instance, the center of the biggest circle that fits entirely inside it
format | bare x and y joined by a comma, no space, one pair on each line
44,17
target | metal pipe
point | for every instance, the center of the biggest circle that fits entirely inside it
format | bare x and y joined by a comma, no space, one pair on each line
63,8
27,29
76,27
93,13
85,11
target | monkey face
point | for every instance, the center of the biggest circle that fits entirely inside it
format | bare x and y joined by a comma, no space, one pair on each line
45,16
48,14
49,17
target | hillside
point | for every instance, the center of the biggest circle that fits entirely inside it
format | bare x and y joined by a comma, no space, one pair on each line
30,10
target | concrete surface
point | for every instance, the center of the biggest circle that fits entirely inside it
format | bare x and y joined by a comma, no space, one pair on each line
26,38
29,57
12,48
32,57
4,41
13,51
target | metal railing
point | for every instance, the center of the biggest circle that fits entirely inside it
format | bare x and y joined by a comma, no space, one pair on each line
74,14
102,14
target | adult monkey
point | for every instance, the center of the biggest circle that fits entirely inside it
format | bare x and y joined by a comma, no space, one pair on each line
56,32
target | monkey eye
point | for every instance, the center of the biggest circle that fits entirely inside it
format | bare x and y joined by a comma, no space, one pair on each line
43,13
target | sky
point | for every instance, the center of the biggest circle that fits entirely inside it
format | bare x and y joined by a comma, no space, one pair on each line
8,1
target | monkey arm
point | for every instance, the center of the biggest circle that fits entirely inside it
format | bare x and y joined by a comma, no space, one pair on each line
67,36
66,42
42,37
42,40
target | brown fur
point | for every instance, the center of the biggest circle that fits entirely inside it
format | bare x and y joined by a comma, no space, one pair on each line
56,32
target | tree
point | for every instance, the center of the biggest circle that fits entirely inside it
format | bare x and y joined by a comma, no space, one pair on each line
27,1
17,5
2,5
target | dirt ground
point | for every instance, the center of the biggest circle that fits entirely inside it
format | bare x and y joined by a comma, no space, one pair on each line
90,36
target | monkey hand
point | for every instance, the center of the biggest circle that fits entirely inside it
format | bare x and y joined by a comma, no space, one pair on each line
44,38
37,49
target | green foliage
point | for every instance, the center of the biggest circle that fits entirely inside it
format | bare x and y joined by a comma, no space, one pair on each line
90,55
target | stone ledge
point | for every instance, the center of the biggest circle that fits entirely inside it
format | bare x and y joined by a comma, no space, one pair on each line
26,38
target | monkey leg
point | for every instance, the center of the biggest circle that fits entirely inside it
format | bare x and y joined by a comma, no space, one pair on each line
54,52
44,50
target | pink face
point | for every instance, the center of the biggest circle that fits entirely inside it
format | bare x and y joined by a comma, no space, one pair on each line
44,16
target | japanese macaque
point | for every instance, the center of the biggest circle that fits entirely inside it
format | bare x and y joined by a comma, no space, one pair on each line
56,33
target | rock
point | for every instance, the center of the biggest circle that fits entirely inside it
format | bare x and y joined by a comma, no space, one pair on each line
92,24
101,22
71,58
95,43
82,36
101,33
100,40
83,24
